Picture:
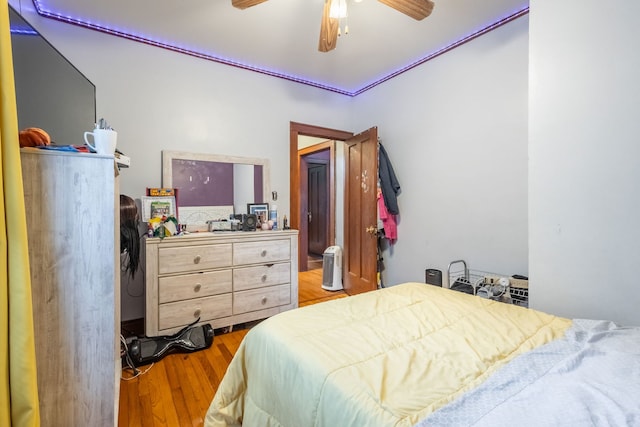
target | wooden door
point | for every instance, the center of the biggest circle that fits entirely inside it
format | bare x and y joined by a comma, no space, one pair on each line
360,246
318,212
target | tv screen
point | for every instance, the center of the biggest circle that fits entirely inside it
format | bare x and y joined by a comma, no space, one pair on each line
51,93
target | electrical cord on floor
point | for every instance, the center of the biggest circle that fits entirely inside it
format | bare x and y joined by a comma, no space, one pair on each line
130,364
138,374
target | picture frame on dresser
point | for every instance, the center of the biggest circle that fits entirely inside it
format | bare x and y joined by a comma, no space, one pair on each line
152,206
260,210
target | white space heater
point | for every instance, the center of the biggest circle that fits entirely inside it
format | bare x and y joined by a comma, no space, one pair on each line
332,268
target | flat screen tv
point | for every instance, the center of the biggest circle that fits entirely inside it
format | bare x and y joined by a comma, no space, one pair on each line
51,93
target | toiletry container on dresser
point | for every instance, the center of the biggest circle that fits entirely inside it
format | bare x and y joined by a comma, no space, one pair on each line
222,278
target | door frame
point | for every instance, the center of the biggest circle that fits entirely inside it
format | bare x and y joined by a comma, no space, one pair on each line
295,189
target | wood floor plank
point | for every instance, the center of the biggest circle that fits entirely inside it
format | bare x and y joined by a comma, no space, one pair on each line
214,356
178,399
145,408
199,381
191,396
208,375
164,412
126,412
178,389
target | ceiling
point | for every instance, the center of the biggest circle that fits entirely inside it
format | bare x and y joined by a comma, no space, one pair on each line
280,37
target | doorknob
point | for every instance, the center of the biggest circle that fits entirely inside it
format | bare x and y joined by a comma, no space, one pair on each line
371,230
309,217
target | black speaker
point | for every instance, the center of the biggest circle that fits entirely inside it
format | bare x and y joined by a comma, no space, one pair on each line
433,277
250,222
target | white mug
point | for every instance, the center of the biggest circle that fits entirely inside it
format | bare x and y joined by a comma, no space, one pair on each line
104,140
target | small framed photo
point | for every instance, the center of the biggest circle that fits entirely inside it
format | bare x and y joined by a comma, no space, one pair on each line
158,207
261,210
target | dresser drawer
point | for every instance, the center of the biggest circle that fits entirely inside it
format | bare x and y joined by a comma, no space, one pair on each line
193,258
261,252
188,286
175,314
259,299
261,275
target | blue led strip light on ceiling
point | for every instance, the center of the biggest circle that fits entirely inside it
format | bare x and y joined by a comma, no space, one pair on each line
77,21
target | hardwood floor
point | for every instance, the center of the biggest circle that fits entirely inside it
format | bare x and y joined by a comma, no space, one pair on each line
177,390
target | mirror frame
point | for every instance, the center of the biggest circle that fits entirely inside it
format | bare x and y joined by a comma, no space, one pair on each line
168,157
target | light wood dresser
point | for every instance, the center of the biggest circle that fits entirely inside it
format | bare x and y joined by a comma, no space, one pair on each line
223,278
73,227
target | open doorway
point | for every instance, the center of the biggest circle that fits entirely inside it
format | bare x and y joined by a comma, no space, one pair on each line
358,201
312,145
317,195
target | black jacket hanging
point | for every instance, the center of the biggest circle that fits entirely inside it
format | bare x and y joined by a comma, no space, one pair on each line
388,182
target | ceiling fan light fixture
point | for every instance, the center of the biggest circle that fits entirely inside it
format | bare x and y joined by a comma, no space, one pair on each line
338,9
335,14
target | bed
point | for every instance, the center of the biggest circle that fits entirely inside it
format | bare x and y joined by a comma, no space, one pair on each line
419,355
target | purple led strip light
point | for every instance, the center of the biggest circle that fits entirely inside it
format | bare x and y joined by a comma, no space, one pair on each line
23,32
445,49
69,20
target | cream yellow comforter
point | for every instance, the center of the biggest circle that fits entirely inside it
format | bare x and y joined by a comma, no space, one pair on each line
384,358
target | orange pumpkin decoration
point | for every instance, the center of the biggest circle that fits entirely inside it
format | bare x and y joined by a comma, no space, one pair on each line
34,137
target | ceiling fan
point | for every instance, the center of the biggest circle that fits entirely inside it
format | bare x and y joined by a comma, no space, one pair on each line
329,26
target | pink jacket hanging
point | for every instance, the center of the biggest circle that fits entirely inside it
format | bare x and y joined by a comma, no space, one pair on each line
388,220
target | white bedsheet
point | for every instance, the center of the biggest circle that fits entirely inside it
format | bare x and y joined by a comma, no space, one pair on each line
591,377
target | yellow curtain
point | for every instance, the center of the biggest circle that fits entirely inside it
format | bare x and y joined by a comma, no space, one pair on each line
18,382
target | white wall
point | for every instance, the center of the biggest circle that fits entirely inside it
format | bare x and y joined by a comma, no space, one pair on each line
456,132
584,159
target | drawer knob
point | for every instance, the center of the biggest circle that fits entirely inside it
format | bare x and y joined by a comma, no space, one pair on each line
263,300
197,287
264,278
196,260
263,253
196,313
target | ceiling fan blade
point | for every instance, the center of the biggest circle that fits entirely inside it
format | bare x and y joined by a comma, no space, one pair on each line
328,30
243,4
417,9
